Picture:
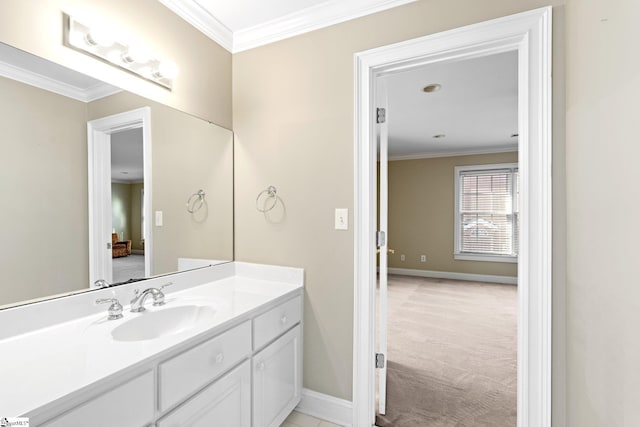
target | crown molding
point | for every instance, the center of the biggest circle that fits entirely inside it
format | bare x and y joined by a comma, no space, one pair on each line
312,18
453,153
98,91
323,15
196,15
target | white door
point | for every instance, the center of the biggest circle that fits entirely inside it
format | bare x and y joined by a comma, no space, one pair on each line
100,210
382,118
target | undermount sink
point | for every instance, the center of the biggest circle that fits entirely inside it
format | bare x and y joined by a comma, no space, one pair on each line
166,321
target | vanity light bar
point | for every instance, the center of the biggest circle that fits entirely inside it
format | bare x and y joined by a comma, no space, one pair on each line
101,42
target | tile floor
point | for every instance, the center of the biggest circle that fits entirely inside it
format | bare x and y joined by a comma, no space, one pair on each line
297,419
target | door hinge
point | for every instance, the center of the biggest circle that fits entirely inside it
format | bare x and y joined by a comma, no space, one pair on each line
381,239
108,245
381,115
379,360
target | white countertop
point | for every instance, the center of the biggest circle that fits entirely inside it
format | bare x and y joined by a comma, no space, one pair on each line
41,366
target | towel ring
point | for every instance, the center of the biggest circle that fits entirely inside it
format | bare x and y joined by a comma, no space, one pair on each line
271,193
195,202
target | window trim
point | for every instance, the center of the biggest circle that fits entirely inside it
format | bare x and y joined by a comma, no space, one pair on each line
468,256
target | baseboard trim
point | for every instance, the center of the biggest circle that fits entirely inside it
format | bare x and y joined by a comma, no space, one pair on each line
137,251
507,280
329,408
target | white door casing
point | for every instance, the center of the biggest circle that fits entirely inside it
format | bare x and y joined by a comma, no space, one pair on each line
99,174
528,33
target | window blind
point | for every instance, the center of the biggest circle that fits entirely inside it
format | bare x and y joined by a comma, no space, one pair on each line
488,213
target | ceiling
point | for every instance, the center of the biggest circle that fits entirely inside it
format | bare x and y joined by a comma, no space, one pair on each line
244,24
476,108
127,164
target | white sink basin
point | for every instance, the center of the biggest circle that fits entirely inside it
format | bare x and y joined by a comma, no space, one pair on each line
167,321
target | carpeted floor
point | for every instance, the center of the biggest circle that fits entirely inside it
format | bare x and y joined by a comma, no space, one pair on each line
128,267
452,354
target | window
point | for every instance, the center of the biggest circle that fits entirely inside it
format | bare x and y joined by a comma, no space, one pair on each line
486,215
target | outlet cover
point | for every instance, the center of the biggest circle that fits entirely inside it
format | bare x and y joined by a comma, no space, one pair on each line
423,258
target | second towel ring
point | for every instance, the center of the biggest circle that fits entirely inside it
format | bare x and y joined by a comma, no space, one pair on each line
195,202
271,193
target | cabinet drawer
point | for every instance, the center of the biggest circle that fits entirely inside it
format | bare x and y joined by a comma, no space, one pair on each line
274,322
129,404
225,402
190,371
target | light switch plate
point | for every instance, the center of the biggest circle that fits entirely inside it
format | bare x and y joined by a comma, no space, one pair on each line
342,219
158,218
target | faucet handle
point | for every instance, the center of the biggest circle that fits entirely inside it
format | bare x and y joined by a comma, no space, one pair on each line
158,298
115,309
101,283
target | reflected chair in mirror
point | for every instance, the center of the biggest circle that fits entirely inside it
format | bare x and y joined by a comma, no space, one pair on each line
119,248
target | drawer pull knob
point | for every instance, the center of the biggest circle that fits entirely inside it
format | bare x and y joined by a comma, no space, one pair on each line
220,358
283,319
261,366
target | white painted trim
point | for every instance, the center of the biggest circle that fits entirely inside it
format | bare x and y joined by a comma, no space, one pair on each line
100,130
196,15
453,154
485,257
329,408
137,251
530,34
25,76
303,21
322,15
486,278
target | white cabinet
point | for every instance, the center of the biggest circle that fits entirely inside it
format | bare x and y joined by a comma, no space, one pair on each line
226,402
132,401
274,322
277,380
247,374
188,372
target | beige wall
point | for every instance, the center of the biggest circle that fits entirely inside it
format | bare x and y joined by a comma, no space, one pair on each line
421,214
121,207
293,120
136,216
43,189
203,85
602,174
187,154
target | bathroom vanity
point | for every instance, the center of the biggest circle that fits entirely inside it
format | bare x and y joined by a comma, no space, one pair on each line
225,349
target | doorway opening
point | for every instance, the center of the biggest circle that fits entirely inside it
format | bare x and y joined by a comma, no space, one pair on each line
528,34
448,204
127,202
120,239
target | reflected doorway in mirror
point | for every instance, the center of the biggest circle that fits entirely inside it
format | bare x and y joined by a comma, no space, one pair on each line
101,226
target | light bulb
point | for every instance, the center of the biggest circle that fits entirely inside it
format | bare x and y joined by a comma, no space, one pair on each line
167,69
136,53
100,37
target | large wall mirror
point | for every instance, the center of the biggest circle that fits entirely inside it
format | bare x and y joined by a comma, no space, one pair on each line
166,201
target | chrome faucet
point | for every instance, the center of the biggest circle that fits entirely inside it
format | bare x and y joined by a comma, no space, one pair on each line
115,309
137,303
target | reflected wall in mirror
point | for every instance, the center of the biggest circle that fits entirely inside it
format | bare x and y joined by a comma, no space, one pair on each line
44,183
